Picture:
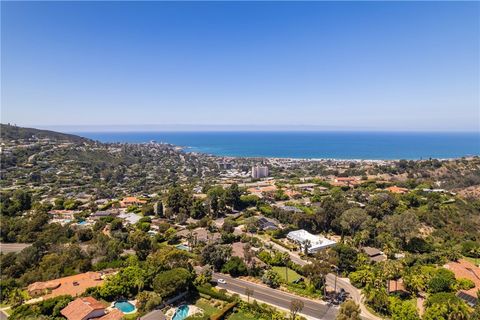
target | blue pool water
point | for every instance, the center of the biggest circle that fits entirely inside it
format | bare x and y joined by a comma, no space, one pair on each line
124,306
82,223
332,145
181,312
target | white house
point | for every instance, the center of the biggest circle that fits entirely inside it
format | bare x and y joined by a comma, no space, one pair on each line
315,242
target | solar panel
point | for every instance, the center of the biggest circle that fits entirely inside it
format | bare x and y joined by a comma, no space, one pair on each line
472,301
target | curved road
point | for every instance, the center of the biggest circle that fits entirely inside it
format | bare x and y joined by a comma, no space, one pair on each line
313,309
355,294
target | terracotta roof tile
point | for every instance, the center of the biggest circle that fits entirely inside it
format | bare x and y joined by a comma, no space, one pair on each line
73,285
465,269
80,308
115,314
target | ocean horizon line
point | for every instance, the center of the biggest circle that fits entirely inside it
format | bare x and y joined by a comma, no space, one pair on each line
70,128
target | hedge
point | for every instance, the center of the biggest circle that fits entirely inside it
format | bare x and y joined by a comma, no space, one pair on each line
280,243
220,315
213,293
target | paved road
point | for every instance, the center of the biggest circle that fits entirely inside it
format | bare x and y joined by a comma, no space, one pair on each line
354,293
3,315
313,309
13,247
293,255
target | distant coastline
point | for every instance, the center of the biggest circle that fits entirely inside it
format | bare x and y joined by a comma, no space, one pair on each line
310,145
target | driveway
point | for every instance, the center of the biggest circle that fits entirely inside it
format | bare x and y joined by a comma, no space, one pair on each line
13,247
3,315
293,255
355,294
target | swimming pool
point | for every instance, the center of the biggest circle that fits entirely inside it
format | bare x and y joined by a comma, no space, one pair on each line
181,312
124,306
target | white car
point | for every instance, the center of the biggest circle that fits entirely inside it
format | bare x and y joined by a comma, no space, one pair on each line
221,281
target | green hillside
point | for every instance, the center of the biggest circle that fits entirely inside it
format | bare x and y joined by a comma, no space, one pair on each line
11,132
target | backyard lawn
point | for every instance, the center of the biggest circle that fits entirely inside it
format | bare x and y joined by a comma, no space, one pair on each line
206,306
292,275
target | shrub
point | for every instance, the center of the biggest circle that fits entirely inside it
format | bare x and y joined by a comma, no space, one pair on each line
471,249
235,267
271,278
220,315
442,281
173,281
465,284
442,298
208,291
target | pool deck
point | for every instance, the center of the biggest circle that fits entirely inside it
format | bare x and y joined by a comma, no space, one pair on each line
192,310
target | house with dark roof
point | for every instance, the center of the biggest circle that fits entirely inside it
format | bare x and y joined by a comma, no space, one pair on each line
266,224
101,214
374,254
291,209
200,235
238,250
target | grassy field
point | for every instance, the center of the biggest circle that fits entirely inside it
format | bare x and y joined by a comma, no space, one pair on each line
292,275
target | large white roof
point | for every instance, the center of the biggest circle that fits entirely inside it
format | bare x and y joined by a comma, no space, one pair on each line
316,241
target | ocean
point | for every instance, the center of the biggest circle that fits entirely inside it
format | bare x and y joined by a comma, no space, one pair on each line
310,145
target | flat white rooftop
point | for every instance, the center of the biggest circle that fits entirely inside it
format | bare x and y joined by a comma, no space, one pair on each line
317,242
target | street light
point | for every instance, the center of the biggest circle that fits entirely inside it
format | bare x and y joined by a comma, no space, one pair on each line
336,275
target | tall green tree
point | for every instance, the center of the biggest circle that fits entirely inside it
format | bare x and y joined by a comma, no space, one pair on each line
349,310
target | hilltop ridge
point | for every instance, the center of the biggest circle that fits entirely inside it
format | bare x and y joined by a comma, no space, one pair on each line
13,132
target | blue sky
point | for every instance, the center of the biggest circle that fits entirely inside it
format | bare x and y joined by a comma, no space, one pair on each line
410,66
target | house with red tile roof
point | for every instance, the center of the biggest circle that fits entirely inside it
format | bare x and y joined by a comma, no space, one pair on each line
345,181
83,309
72,285
114,314
396,286
395,189
466,270
129,201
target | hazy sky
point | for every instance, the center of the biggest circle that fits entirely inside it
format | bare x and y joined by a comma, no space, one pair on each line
369,66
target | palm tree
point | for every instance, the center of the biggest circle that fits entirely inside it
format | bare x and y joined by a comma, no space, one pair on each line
248,254
248,293
306,246
285,260
190,239
138,283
